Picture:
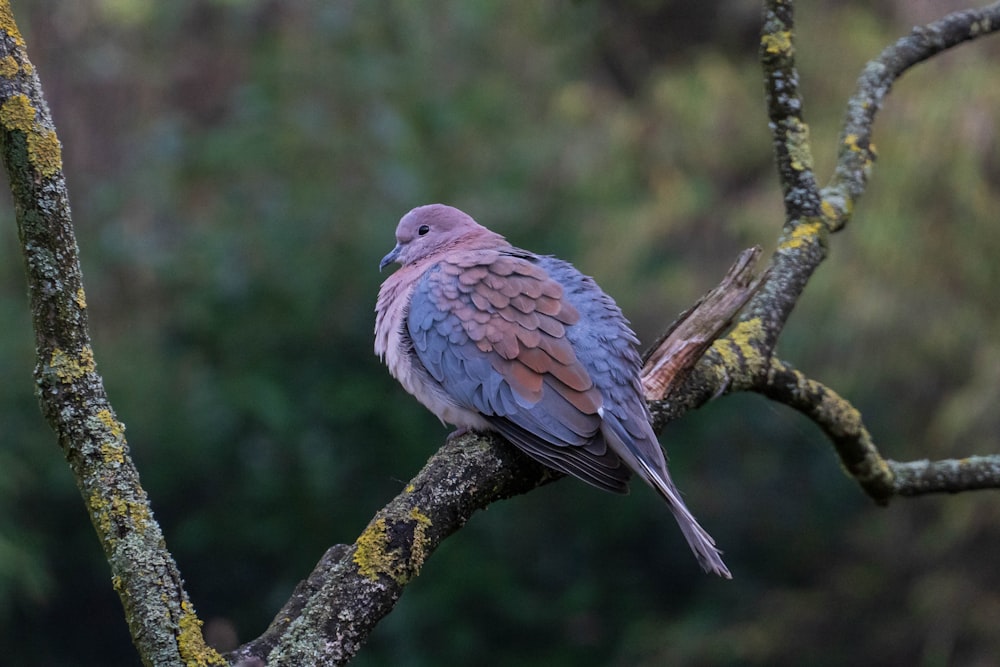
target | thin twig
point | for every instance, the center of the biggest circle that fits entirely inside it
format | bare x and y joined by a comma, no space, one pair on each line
857,152
916,478
839,420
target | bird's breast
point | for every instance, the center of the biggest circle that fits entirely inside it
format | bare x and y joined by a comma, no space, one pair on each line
395,347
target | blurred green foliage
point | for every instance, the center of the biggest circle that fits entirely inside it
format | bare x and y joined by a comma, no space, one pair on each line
237,169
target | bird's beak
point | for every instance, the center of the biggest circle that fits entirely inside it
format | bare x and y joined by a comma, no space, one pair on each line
390,258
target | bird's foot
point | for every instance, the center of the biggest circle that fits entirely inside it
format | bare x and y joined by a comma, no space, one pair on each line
458,433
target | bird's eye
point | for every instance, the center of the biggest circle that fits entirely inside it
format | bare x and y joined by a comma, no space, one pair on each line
423,229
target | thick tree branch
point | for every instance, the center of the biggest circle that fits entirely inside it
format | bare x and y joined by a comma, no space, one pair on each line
160,616
355,586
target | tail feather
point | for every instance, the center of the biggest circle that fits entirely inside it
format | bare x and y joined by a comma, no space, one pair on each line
702,544
637,456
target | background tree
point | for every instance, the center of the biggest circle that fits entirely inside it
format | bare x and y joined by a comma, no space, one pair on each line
226,196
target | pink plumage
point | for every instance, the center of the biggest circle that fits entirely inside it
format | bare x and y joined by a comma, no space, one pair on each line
491,337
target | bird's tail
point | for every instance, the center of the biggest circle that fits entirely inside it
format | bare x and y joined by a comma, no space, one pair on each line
701,543
637,455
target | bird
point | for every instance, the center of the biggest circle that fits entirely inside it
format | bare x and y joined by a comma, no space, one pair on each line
491,337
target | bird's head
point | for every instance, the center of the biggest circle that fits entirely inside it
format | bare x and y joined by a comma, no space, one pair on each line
428,230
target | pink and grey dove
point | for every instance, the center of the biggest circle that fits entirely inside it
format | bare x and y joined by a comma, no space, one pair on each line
491,337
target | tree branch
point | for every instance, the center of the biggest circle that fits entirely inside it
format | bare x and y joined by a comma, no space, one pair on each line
917,478
880,478
160,616
839,420
857,152
809,214
802,245
740,360
789,132
810,217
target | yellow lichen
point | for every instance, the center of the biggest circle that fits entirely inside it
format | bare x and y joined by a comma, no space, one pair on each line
420,517
878,468
44,149
191,643
370,552
69,368
8,67
746,333
134,510
802,233
116,428
777,42
374,558
81,299
109,515
17,113
113,452
410,488
113,449
119,507
829,211
851,141
418,554
45,152
797,144
8,25
737,348
100,515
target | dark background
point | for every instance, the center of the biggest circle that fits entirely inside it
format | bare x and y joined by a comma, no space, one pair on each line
237,169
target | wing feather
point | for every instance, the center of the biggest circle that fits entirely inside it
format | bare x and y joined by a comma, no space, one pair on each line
491,328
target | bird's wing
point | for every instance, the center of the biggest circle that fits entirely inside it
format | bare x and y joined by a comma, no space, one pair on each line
491,328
